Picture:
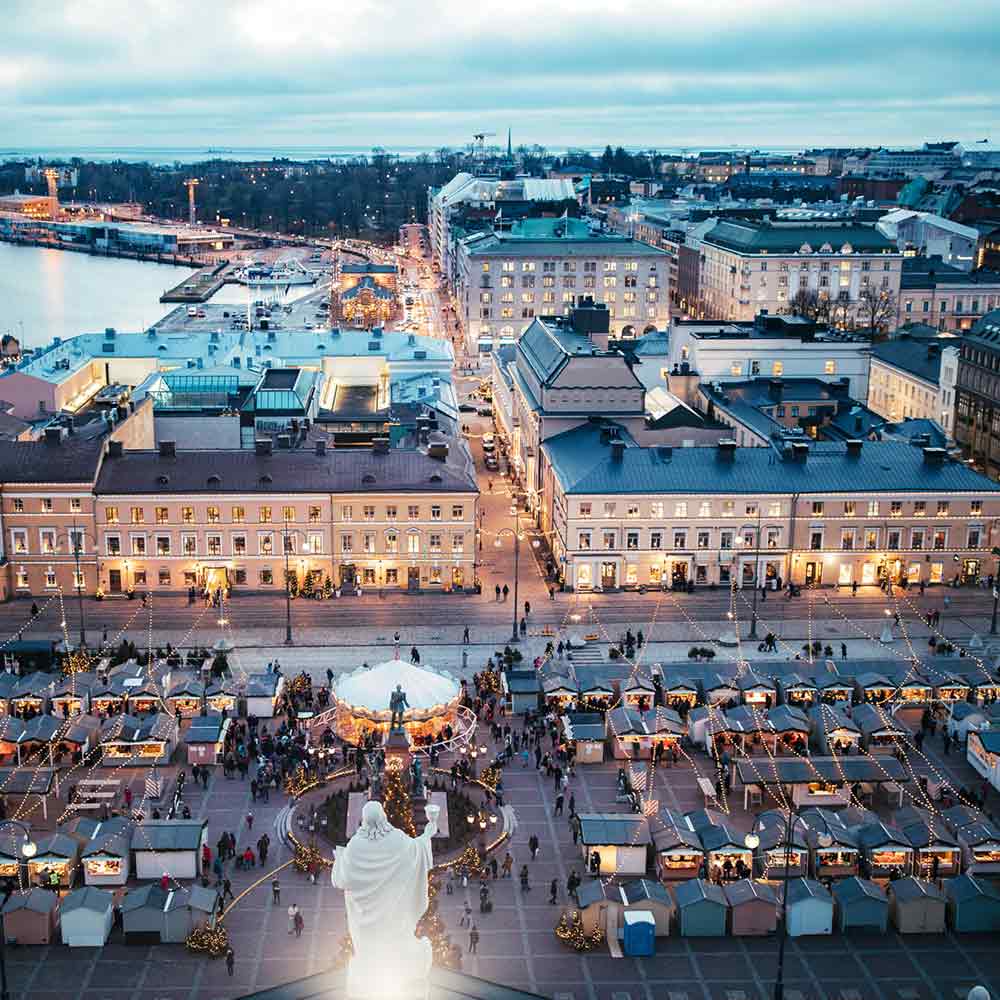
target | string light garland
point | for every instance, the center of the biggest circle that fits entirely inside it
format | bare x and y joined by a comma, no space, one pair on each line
396,801
207,940
570,931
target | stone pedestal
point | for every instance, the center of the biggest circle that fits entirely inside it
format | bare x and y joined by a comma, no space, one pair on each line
397,751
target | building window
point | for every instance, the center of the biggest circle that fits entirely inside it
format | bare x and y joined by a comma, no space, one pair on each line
138,515
214,545
139,578
632,539
266,577
288,514
830,366
162,515
239,515
656,508
815,540
19,540
163,577
347,512
703,539
47,505
728,508
849,508
239,545
919,508
435,512
367,512
975,537
163,545
632,510
725,539
458,543
609,540
680,539
214,515
22,578
873,508
113,545
138,543
265,544
585,509
778,369
47,536
942,508
893,538
18,506
50,577
391,542
413,512
434,542
457,512
940,539
368,543
264,515
847,539
976,507
584,540
390,512
413,543
896,508
609,508
871,539
917,539
189,545
392,576
187,515
681,509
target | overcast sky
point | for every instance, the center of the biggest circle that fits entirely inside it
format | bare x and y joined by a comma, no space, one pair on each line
400,72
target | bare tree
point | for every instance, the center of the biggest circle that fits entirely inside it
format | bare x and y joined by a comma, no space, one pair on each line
876,309
809,303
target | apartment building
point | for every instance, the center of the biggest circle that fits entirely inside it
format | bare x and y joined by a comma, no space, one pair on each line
617,515
913,377
163,521
542,267
977,395
945,297
749,266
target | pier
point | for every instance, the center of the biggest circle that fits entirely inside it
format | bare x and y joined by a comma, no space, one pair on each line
199,287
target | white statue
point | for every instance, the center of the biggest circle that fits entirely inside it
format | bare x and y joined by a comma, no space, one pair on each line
383,873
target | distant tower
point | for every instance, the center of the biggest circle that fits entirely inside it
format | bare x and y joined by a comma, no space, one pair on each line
510,149
191,183
52,179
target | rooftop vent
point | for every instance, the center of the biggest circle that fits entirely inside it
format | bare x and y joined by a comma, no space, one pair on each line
284,440
115,449
214,482
368,478
854,446
320,447
265,480
262,447
53,435
162,480
726,450
934,456
168,449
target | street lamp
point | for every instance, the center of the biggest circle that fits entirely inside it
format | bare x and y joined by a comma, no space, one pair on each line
752,634
286,537
28,850
75,537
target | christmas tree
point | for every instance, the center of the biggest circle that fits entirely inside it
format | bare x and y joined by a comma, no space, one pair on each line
328,587
471,862
432,927
396,802
292,583
308,586
570,931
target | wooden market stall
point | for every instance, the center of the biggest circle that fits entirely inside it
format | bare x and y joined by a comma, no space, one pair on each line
885,851
790,730
600,904
980,842
835,850
860,905
798,690
809,908
937,853
107,698
726,853
171,846
643,894
983,752
55,863
614,843
86,916
142,913
753,907
263,692
191,907
777,856
678,853
973,905
833,731
107,856
522,690
127,740
205,739
634,735
834,688
585,730
559,691
702,908
679,693
185,696
917,907
31,694
597,692
715,689
31,917
637,691
142,696
760,692
952,688
880,733
873,689
912,690
71,696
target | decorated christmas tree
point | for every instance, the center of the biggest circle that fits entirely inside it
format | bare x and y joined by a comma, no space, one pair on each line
396,802
292,583
432,927
570,931
328,587
308,586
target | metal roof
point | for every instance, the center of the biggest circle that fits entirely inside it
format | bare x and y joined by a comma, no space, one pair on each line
149,896
851,889
168,834
751,237
36,899
798,889
620,829
87,898
837,770
747,890
695,890
906,890
641,889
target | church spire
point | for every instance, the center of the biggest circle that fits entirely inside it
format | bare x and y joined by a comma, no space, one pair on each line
510,151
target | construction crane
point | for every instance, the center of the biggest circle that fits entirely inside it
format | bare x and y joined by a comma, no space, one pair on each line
51,175
479,144
191,183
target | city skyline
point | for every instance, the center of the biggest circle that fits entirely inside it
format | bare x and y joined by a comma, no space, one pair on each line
774,72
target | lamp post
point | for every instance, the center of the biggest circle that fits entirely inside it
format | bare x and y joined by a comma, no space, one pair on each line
516,532
996,591
752,634
28,850
75,537
286,538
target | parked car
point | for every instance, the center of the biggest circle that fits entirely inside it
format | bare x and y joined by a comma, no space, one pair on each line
485,411
489,442
467,408
492,464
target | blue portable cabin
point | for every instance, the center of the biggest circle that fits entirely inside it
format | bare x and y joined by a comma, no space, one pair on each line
639,934
702,908
973,904
860,904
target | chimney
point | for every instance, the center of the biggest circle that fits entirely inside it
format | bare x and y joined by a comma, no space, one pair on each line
380,446
854,446
115,449
617,450
800,452
320,447
284,440
53,435
726,450
262,447
934,456
776,389
168,449
593,320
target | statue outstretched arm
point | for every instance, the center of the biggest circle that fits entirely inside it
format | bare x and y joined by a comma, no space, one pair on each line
433,812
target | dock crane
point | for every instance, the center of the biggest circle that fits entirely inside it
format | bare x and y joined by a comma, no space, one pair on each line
191,183
479,144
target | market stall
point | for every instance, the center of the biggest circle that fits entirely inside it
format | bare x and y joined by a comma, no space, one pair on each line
873,689
753,907
71,696
599,902
31,917
834,688
263,692
680,693
634,735
726,853
963,718
185,696
952,688
790,727
637,691
585,730
86,917
362,700
778,856
980,842
832,730
973,905
614,843
188,908
809,908
107,857
643,894
597,692
55,742
797,690
522,690
205,739
678,853
937,853
835,851
983,752
702,908
559,692
917,907
107,698
718,690
31,694
861,905
171,846
142,696
55,862
760,692
127,740
885,851
142,914
912,690
880,733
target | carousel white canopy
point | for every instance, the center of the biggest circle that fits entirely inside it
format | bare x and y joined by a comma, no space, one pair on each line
371,687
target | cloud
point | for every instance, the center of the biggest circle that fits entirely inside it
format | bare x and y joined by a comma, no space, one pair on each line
142,72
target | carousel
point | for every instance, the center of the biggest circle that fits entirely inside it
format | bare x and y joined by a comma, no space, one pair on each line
432,715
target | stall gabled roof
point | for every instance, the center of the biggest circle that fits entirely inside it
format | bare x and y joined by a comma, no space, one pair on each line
873,680
878,834
962,888
749,680
976,834
522,681
195,896
721,835
168,834
206,728
699,818
59,845
798,889
871,720
584,725
827,821
747,890
596,891
618,829
716,681
149,896
927,833
25,781
851,889
908,889
694,890
667,834
792,680
671,683
36,899
788,719
829,719
837,770
959,816
641,889
592,681
87,898
263,685
827,679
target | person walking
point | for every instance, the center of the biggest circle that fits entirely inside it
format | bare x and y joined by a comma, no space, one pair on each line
508,864
498,593
524,628
527,608
263,846
299,923
276,892
559,805
249,821
230,961
466,918
465,636
505,591
553,892
533,846
473,939
524,879
292,913
227,889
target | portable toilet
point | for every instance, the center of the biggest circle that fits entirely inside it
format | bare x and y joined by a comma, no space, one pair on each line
702,908
86,917
639,934
973,904
809,907
917,907
861,905
31,917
